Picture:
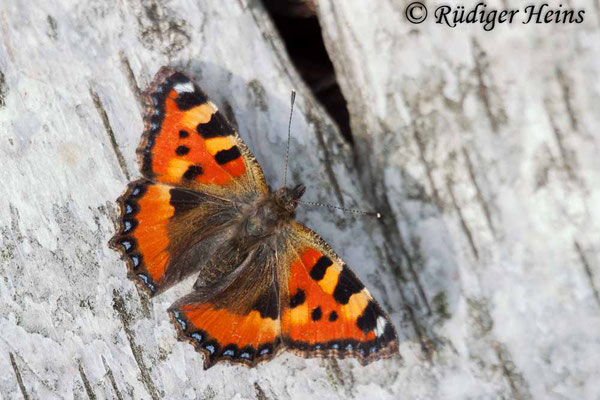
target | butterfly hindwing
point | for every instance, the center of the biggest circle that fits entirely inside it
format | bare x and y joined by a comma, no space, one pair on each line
188,142
327,310
162,227
237,320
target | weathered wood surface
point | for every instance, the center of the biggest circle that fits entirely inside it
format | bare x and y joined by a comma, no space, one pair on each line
480,149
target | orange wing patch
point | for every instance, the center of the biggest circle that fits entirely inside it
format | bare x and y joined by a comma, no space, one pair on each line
328,309
222,335
189,143
142,236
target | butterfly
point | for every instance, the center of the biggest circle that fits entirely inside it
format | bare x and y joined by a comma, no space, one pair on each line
265,282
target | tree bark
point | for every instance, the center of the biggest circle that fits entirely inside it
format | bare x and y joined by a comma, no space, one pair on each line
477,147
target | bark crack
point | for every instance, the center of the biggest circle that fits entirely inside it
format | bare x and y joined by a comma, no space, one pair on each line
131,80
479,193
111,378
86,384
110,132
588,271
18,376
463,222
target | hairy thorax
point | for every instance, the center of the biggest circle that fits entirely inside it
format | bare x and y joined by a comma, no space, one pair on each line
271,213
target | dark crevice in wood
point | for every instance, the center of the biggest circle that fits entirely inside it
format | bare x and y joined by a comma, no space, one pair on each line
110,132
131,79
111,378
86,384
119,307
480,198
588,271
299,27
18,376
463,222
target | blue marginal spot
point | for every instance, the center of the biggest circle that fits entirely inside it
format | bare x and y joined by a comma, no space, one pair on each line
195,335
349,347
127,226
181,322
136,191
157,112
373,349
228,353
147,282
159,89
154,126
210,348
155,99
335,346
127,244
128,209
136,261
264,351
245,355
317,346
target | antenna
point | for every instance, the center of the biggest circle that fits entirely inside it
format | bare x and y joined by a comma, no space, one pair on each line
287,149
311,203
352,210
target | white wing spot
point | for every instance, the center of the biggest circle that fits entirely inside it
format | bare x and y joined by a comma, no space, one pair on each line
184,87
380,328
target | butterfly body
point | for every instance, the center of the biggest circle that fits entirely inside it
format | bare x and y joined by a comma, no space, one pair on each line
264,281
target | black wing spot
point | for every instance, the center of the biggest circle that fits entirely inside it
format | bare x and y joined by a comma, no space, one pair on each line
348,284
267,304
318,270
183,134
193,172
297,299
182,150
225,156
368,319
333,316
316,314
217,126
183,200
188,100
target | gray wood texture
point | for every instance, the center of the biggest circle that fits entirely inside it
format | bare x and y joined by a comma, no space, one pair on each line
479,148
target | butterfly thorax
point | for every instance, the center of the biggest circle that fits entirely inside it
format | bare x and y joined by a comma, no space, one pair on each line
274,210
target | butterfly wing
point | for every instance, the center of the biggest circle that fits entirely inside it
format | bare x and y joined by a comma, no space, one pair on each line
236,320
196,168
165,232
325,308
188,142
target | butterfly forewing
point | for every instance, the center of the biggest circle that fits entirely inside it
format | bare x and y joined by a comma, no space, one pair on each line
188,142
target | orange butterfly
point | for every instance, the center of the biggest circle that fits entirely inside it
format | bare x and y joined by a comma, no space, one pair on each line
265,282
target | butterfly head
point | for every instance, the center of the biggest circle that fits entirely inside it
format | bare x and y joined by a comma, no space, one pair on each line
287,197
